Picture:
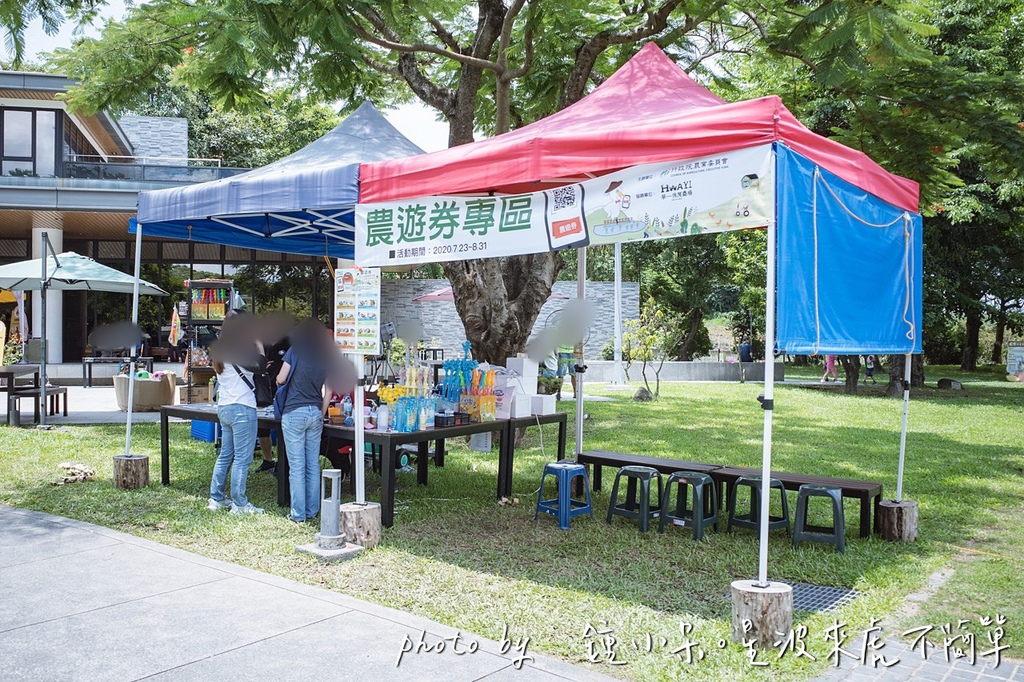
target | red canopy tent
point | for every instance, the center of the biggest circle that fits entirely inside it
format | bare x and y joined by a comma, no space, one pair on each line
647,111
825,197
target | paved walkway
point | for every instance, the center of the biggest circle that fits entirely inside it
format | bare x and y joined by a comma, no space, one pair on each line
82,602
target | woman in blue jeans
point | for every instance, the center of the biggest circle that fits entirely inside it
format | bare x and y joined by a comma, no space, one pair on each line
305,370
235,354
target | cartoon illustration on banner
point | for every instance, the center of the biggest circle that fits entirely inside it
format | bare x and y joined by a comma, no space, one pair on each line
719,193
357,310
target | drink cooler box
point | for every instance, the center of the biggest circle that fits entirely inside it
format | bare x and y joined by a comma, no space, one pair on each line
205,431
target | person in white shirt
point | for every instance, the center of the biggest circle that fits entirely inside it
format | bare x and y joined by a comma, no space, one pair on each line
235,354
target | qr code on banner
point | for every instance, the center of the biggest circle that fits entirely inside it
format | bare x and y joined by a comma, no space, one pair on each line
564,197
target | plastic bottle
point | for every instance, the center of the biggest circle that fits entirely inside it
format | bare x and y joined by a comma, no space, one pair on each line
383,417
346,406
400,406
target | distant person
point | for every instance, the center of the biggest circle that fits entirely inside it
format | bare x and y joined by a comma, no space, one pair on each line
235,355
830,368
305,368
567,365
746,354
869,368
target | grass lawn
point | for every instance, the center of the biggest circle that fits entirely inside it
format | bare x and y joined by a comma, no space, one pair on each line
456,556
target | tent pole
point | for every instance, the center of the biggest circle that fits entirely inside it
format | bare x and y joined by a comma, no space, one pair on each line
581,293
903,431
135,348
44,284
767,405
617,375
358,456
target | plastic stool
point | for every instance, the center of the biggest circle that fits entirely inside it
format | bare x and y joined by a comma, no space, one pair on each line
563,506
632,508
834,534
750,519
704,512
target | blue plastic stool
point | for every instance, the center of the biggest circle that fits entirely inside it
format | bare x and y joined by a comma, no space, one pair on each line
563,506
835,534
638,480
704,512
751,518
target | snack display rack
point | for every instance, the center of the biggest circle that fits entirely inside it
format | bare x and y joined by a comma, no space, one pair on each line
208,302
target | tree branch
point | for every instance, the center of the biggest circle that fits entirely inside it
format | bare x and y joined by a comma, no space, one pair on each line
443,35
393,43
588,53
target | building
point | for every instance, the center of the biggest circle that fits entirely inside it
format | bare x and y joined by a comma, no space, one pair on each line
77,178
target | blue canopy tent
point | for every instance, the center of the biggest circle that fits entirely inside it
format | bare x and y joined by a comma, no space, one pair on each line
300,204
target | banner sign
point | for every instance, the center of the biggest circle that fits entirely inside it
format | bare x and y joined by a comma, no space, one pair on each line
729,191
357,310
1015,358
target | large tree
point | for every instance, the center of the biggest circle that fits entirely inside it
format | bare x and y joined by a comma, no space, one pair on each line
485,66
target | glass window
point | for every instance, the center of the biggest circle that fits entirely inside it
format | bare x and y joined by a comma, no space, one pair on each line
18,168
46,143
17,134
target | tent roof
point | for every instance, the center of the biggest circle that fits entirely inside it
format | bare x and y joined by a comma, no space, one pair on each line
299,204
647,111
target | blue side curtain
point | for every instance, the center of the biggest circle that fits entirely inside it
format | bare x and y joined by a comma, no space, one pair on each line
849,266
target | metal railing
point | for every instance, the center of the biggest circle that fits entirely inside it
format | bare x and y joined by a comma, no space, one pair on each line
132,171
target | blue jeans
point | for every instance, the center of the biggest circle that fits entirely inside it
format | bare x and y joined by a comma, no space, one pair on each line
301,429
238,440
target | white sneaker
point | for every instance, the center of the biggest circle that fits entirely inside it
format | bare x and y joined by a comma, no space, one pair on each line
249,508
213,505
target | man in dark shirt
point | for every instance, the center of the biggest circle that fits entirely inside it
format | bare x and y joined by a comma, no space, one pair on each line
275,358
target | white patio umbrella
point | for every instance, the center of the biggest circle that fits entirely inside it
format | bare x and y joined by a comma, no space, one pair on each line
69,272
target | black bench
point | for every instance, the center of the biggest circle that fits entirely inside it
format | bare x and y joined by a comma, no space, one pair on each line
89,361
666,465
865,491
53,395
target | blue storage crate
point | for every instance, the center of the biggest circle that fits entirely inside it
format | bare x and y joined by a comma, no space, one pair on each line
207,431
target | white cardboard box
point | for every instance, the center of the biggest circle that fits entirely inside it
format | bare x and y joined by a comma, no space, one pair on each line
524,385
542,404
515,406
523,367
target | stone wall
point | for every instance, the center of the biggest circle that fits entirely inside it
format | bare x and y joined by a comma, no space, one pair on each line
163,138
440,321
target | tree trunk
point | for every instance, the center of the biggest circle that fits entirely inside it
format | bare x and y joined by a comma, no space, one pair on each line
498,300
969,360
851,366
696,318
895,364
997,347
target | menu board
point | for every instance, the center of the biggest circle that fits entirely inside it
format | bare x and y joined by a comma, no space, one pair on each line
357,310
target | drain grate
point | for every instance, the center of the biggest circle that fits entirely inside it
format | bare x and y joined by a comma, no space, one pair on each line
820,598
817,598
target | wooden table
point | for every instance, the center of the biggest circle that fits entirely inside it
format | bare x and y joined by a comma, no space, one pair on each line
506,463
8,374
389,442
88,362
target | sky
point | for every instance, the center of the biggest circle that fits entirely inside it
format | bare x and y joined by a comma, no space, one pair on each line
416,121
